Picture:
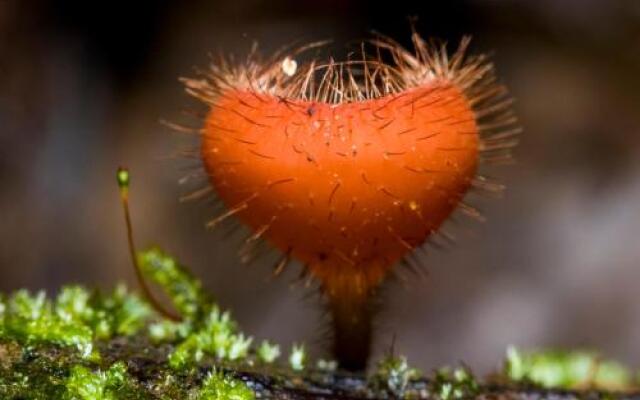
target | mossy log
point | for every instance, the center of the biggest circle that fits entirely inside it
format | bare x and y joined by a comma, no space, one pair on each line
88,345
43,372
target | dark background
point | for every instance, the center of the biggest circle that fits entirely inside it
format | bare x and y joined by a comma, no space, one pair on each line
83,86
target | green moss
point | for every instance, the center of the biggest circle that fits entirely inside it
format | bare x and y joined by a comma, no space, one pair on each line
217,337
33,373
267,352
116,314
169,331
79,318
217,386
453,384
393,375
205,330
565,369
3,310
47,373
49,349
75,318
31,319
112,384
297,357
182,288
327,365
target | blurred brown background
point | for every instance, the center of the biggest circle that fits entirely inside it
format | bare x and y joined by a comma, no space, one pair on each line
83,86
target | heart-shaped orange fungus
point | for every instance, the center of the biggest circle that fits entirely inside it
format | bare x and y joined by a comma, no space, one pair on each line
347,189
348,167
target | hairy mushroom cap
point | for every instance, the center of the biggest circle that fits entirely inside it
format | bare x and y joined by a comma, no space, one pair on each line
350,166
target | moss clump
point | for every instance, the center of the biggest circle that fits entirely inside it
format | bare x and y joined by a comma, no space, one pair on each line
112,384
297,358
454,384
182,288
75,318
83,321
218,386
217,337
31,319
25,374
268,352
118,313
393,374
396,377
205,330
46,372
566,369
